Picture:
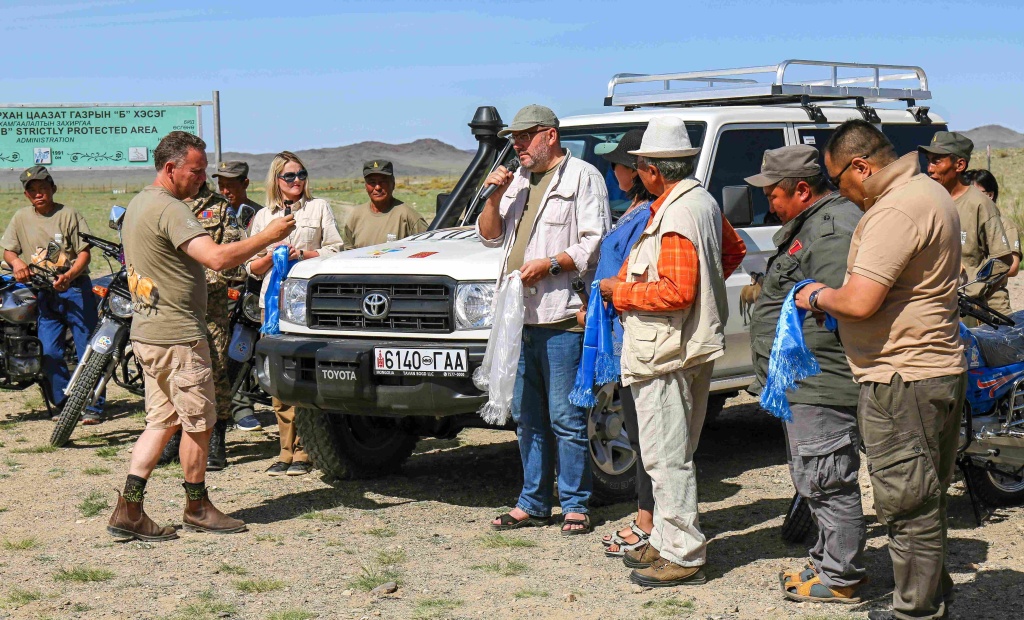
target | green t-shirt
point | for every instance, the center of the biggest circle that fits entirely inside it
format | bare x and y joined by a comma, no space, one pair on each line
364,226
168,286
29,232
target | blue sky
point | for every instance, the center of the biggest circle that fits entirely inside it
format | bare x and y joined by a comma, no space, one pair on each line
313,74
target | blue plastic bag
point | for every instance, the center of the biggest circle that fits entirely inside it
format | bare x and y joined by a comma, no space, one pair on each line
271,303
598,364
790,360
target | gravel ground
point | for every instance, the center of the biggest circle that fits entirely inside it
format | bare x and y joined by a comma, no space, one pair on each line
313,547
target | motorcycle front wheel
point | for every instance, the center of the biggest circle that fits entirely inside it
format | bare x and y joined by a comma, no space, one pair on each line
995,488
79,397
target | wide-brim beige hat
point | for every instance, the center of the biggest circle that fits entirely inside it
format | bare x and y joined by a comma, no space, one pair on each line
666,137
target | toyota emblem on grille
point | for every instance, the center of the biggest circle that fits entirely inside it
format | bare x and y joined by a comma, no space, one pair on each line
376,306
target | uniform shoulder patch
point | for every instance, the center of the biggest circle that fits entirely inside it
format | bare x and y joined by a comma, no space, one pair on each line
795,247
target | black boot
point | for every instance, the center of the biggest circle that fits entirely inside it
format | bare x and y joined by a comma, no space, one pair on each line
170,453
218,458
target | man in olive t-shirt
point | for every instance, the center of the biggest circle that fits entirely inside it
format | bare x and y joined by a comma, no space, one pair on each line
981,228
372,223
167,251
898,319
71,304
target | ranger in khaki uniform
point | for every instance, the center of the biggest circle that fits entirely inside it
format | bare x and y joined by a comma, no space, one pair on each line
898,320
212,211
981,227
384,218
817,225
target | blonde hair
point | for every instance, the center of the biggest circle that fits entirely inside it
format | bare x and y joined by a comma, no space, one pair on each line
274,196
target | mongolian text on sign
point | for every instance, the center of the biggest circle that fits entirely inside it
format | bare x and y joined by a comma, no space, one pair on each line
89,137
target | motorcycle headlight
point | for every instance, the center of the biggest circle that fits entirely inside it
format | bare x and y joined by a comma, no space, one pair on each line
293,301
251,307
474,305
119,305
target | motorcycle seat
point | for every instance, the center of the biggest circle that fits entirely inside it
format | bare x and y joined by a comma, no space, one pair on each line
1002,347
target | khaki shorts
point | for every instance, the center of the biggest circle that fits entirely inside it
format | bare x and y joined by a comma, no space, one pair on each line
179,385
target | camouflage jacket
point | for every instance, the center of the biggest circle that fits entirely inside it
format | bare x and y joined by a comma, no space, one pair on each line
211,209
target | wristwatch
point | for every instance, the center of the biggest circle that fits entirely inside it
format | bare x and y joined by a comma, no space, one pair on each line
812,299
301,255
555,268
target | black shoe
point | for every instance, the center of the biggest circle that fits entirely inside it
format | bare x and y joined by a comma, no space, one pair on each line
279,469
300,468
170,453
218,458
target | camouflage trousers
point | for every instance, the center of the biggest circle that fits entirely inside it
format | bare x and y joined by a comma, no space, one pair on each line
217,325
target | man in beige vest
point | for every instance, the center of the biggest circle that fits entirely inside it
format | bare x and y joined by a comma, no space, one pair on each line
672,297
899,323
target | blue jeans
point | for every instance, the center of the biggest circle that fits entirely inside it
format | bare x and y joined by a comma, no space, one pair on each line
74,309
549,425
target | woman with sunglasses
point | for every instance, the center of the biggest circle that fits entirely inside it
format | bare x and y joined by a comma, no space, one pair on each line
316,234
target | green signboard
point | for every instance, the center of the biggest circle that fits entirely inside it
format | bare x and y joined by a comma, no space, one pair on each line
90,137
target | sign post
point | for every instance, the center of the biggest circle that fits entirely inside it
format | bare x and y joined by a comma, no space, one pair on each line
96,136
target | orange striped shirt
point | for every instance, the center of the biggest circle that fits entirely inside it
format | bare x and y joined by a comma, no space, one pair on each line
678,271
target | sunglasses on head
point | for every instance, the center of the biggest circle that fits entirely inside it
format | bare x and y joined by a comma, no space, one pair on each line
290,177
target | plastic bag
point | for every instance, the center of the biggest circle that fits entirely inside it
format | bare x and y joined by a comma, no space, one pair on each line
598,364
790,360
271,305
497,374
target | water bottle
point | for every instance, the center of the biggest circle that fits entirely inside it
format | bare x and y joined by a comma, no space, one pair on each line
59,239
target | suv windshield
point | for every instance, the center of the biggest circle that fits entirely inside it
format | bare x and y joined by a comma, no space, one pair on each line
581,142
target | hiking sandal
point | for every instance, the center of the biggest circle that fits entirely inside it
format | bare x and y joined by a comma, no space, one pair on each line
585,522
625,546
615,539
814,591
787,578
508,522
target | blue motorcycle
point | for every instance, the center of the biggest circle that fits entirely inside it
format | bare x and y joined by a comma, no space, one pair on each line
991,449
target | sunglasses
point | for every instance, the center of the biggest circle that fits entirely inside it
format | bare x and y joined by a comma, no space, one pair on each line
291,177
835,180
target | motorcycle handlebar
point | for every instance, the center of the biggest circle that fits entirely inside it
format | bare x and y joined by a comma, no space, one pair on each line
978,309
107,247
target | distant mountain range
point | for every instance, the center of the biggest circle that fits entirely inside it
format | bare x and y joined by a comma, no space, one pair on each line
996,136
426,157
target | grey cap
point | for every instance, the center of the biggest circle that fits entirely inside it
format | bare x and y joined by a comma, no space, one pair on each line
529,117
232,170
35,173
378,166
949,143
789,162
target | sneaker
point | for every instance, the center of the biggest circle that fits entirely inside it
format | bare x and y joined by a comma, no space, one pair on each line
300,468
90,418
279,468
249,423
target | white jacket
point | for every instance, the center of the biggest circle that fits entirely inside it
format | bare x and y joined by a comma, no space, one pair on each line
573,217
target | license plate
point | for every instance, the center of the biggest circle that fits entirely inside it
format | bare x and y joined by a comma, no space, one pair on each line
421,362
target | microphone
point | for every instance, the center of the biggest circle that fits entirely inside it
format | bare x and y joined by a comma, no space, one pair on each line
288,207
489,189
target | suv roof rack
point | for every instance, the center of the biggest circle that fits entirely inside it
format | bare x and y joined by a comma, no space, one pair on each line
741,86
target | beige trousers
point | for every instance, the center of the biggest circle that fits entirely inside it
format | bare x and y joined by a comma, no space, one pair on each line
670,412
291,443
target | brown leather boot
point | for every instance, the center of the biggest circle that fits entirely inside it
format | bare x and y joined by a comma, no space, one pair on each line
202,516
641,557
131,521
665,574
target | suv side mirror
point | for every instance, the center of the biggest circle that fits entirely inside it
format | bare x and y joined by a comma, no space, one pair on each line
738,205
116,216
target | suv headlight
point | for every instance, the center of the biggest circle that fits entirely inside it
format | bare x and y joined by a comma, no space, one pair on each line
119,305
293,301
474,305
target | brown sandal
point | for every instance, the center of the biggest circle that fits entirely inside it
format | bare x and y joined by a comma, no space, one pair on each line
508,522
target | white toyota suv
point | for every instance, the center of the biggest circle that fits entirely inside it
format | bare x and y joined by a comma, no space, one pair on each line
379,344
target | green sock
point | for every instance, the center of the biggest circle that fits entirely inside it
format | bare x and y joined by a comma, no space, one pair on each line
195,491
134,489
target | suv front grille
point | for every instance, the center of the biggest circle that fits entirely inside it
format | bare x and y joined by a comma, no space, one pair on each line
418,303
